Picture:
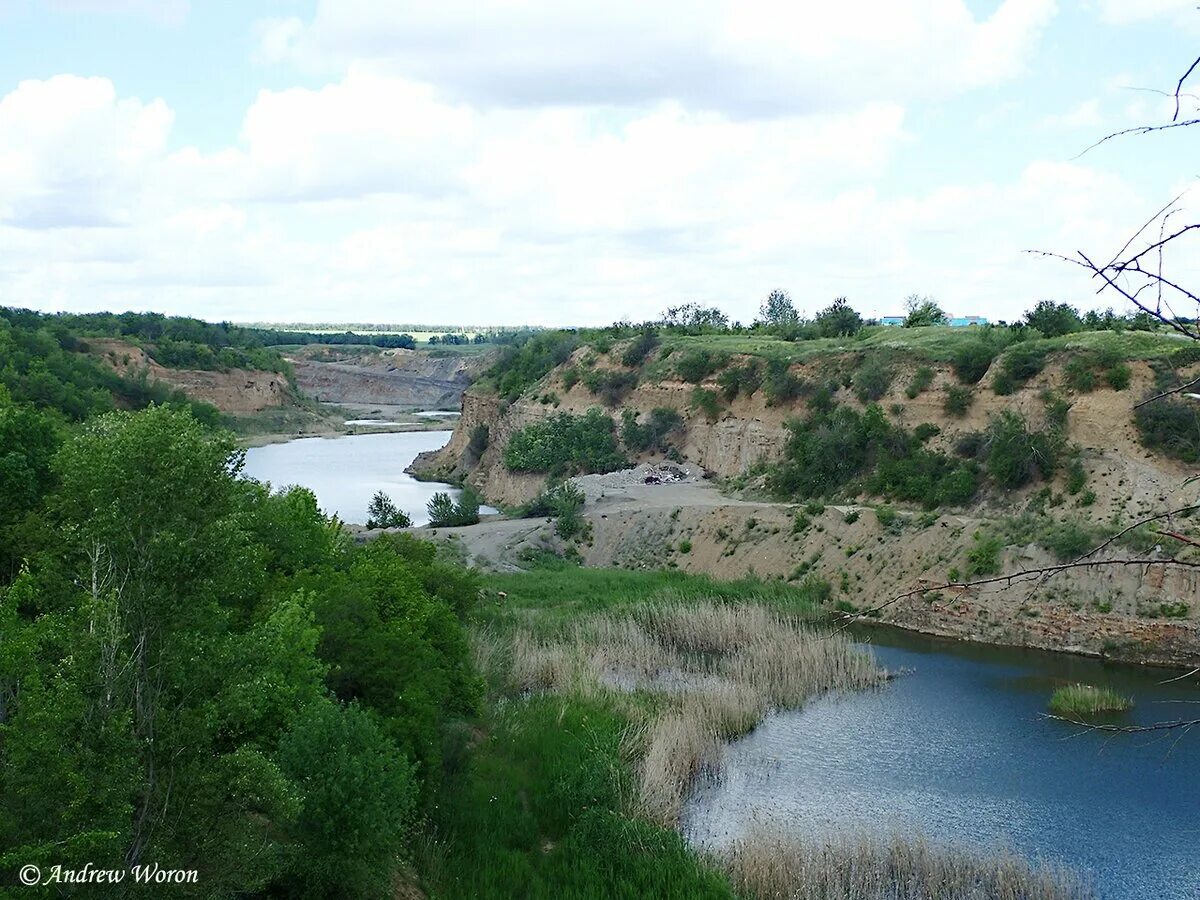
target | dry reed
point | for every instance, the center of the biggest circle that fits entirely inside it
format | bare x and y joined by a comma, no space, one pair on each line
768,866
715,670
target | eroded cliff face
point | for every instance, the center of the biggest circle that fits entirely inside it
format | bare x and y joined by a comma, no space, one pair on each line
411,378
1141,612
1126,479
237,391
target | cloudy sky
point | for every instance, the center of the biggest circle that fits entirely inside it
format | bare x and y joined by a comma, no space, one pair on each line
563,162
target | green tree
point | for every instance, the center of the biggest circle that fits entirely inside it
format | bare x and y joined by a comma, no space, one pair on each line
1054,319
839,319
923,312
777,311
383,513
158,700
359,799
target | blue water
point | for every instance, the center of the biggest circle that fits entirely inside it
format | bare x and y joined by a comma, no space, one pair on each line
958,748
345,472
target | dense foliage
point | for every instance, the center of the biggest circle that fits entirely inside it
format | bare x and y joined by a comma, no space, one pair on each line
564,444
173,341
446,512
1172,426
845,451
524,363
202,674
651,435
43,362
382,512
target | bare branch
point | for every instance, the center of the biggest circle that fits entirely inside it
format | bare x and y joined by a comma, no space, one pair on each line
1178,390
1179,87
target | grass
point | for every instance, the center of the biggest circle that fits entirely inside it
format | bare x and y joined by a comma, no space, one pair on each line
1081,700
768,867
558,593
937,344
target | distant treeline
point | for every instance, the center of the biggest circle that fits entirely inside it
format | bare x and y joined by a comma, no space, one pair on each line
278,337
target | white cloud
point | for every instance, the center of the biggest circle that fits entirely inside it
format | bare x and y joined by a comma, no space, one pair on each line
752,57
71,153
376,196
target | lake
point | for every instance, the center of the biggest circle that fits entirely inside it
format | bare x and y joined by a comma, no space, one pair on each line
345,472
957,748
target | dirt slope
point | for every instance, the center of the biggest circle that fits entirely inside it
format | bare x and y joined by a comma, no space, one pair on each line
237,391
413,378
1118,611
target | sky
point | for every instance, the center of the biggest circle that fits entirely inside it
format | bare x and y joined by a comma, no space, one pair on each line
552,162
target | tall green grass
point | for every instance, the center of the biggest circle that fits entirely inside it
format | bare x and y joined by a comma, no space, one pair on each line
1081,700
539,810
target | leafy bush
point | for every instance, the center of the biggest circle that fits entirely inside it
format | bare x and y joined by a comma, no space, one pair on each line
1080,375
984,556
1023,362
923,312
925,431
958,400
872,379
745,379
885,515
1053,319
610,385
972,360
566,505
921,381
1172,427
1082,371
564,444
521,367
844,450
1015,455
707,402
359,800
696,365
1118,377
446,513
383,513
570,377
641,347
1068,539
1076,476
838,319
780,385
650,436
1057,410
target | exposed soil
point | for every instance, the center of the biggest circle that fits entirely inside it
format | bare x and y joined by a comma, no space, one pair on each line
237,391
690,525
404,379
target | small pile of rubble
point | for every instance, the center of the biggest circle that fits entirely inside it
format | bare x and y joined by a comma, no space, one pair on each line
645,474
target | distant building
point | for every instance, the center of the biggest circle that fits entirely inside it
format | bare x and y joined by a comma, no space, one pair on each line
955,321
